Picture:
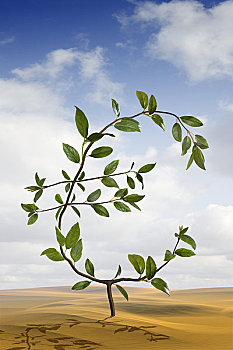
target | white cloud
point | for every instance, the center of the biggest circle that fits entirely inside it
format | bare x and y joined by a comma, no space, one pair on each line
30,97
226,105
93,69
54,64
7,41
219,135
195,39
34,123
90,65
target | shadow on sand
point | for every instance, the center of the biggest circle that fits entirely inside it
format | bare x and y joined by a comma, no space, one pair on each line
44,336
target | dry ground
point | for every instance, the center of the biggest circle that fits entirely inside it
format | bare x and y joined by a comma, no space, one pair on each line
60,319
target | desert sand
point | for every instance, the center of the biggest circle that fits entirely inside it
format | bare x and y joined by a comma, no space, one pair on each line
58,318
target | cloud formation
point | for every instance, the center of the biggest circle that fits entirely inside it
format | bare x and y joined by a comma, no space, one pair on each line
34,122
91,65
195,39
7,41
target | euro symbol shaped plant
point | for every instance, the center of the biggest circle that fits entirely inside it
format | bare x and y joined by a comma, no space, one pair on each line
123,199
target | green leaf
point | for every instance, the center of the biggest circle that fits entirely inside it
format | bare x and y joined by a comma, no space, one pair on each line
52,254
168,255
190,161
123,291
109,182
183,252
134,205
32,219
161,285
72,236
71,153
42,181
67,187
32,188
152,105
66,176
60,237
186,144
100,209
115,107
146,168
111,167
121,193
73,199
94,196
96,136
199,158
157,119
189,240
140,179
183,230
130,182
58,212
118,272
177,132
82,175
150,267
143,98
121,206
138,262
81,285
81,122
127,125
81,186
38,195
89,268
37,179
75,210
76,251
29,207
101,152
191,121
201,142
133,198
58,198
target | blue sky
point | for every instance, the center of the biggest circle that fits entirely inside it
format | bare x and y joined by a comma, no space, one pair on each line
54,55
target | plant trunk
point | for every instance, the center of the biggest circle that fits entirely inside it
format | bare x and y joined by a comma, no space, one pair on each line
110,299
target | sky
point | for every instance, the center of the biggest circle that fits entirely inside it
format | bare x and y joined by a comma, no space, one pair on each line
57,55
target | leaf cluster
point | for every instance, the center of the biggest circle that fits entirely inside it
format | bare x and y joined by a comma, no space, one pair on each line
122,200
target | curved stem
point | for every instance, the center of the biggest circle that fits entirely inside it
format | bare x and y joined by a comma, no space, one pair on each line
84,155
144,277
112,281
79,272
180,121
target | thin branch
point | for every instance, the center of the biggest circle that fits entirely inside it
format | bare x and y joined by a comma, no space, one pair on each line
78,173
79,272
160,268
80,203
127,279
168,113
89,179
180,121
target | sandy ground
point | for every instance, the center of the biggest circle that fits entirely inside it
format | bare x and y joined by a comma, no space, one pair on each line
60,319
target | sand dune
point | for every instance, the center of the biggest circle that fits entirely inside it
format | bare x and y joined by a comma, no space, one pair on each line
61,319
